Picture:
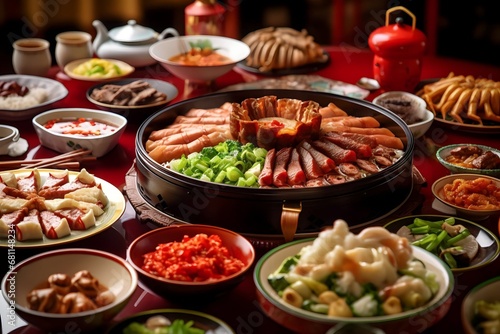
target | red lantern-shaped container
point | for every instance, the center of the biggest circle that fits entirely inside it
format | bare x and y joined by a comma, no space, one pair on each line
398,49
204,17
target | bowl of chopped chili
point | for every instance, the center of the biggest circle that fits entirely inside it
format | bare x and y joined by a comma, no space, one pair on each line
190,260
472,196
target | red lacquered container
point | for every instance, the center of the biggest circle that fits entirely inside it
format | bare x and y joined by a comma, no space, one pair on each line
398,48
204,17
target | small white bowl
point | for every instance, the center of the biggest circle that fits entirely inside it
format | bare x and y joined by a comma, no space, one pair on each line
8,136
437,190
99,145
418,110
488,291
163,50
111,271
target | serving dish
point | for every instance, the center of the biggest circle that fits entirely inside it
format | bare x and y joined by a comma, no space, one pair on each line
112,271
303,82
446,207
488,291
304,69
443,152
302,321
258,211
161,86
162,51
419,119
112,212
237,246
61,142
489,245
55,92
125,70
201,320
488,127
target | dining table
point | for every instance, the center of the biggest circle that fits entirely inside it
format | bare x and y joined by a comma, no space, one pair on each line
239,307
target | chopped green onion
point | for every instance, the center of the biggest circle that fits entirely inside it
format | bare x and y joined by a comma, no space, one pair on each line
462,235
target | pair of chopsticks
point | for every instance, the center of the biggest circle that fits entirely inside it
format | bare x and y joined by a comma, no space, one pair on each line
70,160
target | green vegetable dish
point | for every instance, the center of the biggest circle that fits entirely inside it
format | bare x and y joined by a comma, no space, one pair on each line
452,242
487,317
161,325
229,162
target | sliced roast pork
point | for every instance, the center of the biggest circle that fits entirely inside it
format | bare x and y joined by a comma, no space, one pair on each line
296,175
280,177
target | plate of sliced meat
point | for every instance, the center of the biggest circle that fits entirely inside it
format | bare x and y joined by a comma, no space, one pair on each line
47,207
132,94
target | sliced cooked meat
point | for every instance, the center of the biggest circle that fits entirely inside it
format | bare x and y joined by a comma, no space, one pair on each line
335,152
362,150
466,150
487,160
309,165
367,166
266,175
326,163
296,175
280,176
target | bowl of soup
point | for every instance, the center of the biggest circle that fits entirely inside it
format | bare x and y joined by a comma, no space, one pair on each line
199,58
68,129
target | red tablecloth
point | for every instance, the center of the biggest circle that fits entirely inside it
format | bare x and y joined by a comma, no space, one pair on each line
239,308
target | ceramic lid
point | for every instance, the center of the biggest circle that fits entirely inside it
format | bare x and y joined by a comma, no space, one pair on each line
132,32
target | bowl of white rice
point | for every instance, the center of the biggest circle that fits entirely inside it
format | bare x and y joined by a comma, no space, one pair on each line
37,95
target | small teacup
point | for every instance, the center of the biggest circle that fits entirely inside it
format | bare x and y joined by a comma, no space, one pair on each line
8,136
31,56
72,45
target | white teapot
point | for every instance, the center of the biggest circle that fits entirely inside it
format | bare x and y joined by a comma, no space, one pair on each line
129,43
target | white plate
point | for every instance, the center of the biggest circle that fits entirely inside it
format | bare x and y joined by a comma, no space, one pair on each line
55,92
124,67
161,86
112,212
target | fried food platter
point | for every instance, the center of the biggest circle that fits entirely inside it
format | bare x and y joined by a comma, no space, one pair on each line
112,212
463,103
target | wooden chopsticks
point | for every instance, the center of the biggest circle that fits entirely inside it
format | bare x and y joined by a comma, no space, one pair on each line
70,160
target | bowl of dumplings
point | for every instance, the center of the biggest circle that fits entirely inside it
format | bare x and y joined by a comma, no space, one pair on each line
82,287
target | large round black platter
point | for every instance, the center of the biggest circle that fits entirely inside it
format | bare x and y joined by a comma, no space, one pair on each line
257,211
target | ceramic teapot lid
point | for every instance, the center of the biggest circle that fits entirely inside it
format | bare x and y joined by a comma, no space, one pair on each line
132,32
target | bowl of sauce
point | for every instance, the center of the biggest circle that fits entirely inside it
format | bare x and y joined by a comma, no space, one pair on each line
67,129
199,58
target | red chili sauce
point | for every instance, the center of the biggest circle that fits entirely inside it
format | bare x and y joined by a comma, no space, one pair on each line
80,127
194,259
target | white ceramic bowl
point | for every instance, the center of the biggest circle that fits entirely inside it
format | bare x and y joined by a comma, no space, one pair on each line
437,190
302,321
418,110
488,291
111,271
55,92
444,152
99,145
163,50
